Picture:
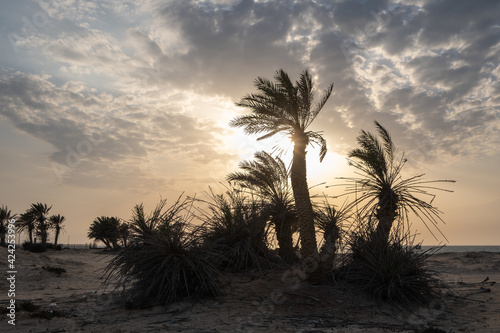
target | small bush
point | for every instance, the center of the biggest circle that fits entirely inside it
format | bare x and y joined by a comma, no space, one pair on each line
235,229
57,270
28,306
163,262
391,271
34,247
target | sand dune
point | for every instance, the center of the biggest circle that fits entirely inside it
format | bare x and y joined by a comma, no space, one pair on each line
72,301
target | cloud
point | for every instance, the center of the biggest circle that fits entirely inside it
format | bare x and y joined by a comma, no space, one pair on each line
101,136
427,79
436,77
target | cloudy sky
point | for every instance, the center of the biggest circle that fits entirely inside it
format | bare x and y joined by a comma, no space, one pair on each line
105,104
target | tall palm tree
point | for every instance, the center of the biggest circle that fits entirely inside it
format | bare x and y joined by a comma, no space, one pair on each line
285,108
27,223
40,212
5,216
385,194
55,222
267,177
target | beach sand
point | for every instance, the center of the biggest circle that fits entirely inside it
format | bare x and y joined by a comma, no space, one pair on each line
276,301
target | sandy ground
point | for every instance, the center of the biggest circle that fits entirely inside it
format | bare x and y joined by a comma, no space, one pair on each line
271,302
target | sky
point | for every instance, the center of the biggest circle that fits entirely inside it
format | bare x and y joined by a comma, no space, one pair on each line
108,104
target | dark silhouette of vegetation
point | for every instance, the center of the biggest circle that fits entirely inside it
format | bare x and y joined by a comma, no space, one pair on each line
58,271
164,260
107,230
391,269
34,247
382,259
330,221
27,224
285,108
124,233
39,212
5,216
35,221
235,230
267,178
384,193
56,222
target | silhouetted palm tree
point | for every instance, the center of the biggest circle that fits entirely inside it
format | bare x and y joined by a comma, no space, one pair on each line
5,216
105,229
267,177
27,223
330,220
288,109
124,233
385,194
235,229
40,212
56,221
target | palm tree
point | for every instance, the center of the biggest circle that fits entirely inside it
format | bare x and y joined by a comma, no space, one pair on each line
40,212
5,216
27,223
105,229
267,177
330,220
56,221
385,194
288,109
124,233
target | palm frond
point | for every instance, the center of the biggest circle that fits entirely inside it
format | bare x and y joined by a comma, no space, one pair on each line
386,138
380,183
281,106
317,138
321,103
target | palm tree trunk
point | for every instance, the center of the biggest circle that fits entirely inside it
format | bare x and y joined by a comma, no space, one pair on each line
56,237
386,215
43,233
305,212
285,240
3,231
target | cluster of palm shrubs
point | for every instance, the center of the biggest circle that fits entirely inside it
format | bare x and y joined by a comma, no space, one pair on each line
266,217
35,222
164,259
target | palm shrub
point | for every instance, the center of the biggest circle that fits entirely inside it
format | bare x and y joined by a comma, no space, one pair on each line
163,261
235,229
106,230
383,260
392,271
267,178
330,221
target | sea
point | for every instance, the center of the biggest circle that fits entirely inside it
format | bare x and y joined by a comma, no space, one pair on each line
463,248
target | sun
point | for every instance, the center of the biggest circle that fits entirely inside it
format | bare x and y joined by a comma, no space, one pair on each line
333,165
